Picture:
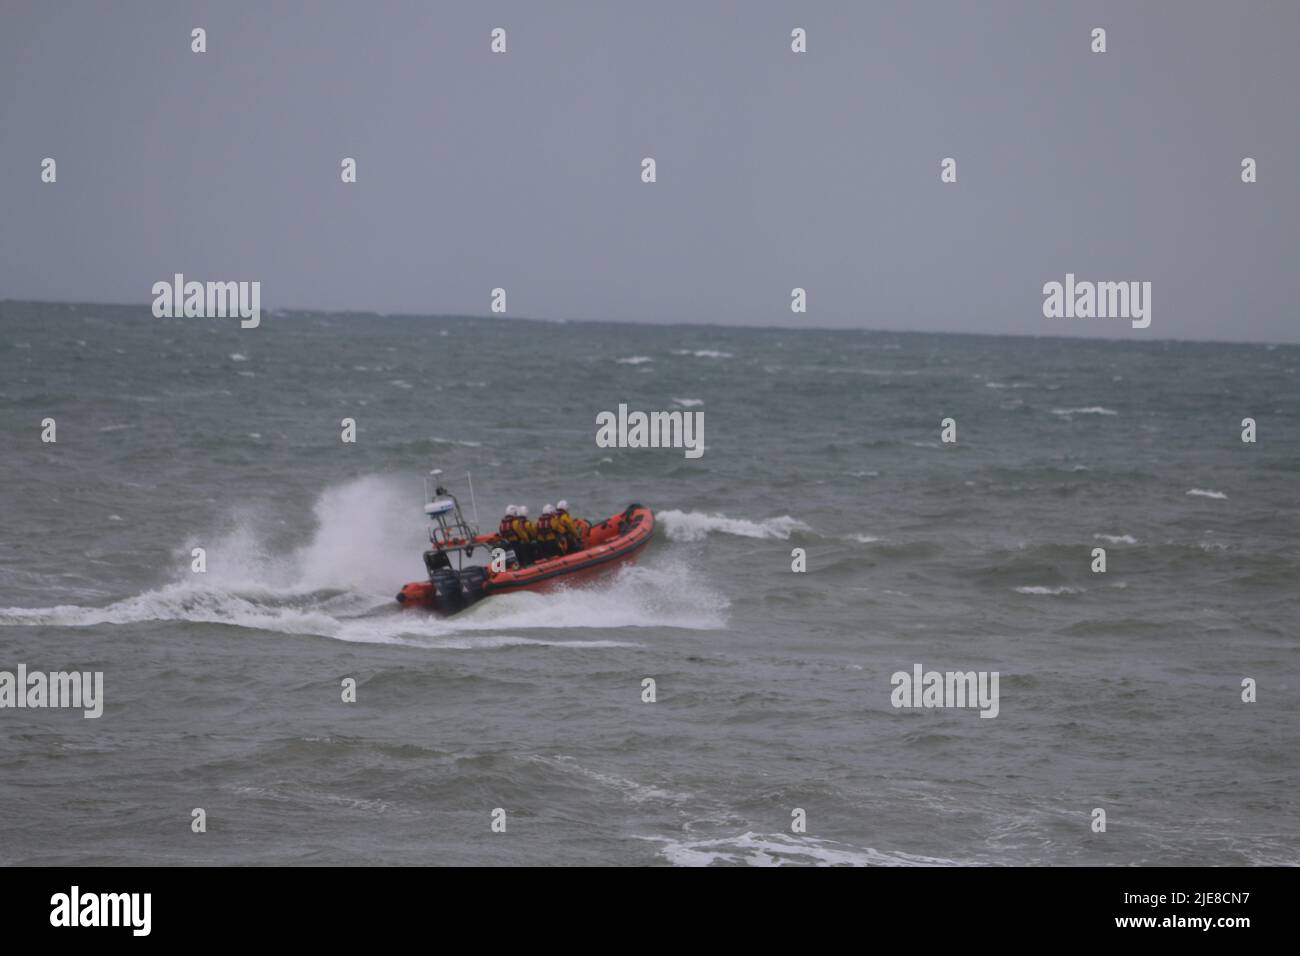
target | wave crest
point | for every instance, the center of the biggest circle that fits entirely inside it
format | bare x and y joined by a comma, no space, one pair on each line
696,525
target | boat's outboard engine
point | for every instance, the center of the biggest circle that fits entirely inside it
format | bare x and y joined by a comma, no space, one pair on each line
454,591
447,593
471,582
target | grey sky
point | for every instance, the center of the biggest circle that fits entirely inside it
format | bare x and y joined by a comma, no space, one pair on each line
776,170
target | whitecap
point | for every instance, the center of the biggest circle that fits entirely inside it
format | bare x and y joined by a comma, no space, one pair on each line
1090,410
695,525
780,849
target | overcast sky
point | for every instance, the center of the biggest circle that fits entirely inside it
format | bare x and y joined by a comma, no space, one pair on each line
775,169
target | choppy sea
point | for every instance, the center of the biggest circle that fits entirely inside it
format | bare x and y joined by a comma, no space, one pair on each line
1119,690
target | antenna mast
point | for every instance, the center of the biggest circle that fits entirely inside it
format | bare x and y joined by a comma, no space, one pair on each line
473,503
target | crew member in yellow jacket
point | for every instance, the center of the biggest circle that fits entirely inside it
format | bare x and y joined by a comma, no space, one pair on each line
548,533
516,531
567,527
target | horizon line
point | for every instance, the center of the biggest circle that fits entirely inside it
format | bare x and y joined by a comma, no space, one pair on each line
675,324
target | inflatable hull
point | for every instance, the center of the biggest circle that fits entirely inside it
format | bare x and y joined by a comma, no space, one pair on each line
615,541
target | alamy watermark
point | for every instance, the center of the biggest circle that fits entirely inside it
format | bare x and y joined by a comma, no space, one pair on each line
676,429
75,908
1100,300
947,689
74,689
208,300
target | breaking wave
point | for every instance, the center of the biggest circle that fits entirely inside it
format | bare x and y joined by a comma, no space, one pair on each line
1116,538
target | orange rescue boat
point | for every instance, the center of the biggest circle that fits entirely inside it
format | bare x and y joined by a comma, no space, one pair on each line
606,545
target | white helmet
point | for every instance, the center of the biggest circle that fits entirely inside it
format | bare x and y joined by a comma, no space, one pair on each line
523,511
513,511
548,509
562,505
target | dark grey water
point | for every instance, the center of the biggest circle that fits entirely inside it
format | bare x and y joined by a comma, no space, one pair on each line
1119,690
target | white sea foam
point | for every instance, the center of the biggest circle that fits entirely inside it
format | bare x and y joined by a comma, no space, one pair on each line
1116,538
1207,493
781,849
1042,590
689,402
635,360
630,598
1090,410
695,525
